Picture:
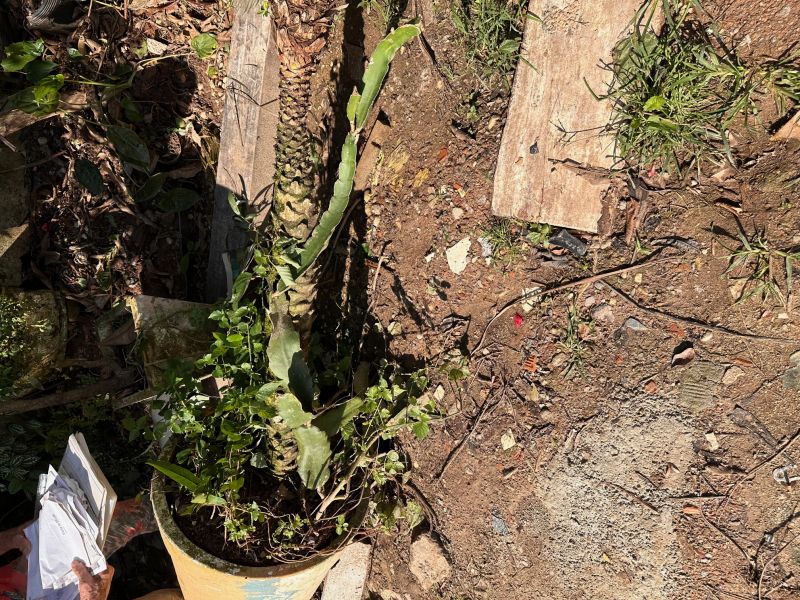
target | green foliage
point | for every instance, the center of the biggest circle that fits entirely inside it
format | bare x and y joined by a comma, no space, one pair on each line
491,31
574,343
18,333
88,175
129,146
677,94
273,419
390,11
510,238
762,267
204,45
19,54
177,200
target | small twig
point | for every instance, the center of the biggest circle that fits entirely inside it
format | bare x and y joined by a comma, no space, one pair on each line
34,164
559,288
767,460
727,537
455,451
696,322
770,561
631,495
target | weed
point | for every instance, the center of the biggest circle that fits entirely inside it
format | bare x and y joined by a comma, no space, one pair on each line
757,262
389,10
510,238
492,34
18,332
574,343
676,94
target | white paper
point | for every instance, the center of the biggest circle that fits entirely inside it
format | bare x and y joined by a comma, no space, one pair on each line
64,531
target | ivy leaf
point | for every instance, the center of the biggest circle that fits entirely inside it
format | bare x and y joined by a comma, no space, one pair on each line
332,421
130,147
38,69
265,391
88,175
291,411
40,99
204,45
20,54
240,287
313,456
178,200
180,475
151,188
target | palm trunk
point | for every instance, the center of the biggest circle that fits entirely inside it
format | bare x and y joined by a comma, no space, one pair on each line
302,31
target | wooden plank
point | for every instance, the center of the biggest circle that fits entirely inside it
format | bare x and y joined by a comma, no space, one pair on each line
549,96
247,144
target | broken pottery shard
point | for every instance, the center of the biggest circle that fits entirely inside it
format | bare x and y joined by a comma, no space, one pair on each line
428,562
458,256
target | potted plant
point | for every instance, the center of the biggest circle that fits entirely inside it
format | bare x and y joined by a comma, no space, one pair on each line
270,471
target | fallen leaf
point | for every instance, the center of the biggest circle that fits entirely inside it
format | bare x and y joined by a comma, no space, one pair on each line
691,509
619,359
736,289
442,154
507,440
683,357
743,362
420,178
676,330
651,387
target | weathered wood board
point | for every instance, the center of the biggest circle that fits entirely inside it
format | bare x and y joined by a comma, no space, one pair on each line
247,142
549,97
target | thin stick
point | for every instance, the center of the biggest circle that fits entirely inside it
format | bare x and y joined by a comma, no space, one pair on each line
631,495
696,322
767,460
566,286
35,163
727,537
455,451
770,561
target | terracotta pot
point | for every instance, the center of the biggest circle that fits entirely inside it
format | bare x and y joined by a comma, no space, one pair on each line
203,576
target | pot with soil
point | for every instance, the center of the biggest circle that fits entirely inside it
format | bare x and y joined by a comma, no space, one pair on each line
276,460
33,339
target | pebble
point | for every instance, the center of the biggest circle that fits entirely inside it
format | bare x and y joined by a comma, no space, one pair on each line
428,563
457,256
731,375
558,359
499,525
603,313
458,213
634,324
794,359
486,247
707,337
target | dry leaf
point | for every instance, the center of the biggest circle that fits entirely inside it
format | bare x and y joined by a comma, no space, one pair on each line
691,509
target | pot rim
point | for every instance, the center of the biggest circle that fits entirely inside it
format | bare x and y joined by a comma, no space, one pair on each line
169,529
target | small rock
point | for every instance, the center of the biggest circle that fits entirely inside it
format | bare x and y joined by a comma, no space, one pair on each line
499,525
713,443
349,576
564,239
794,359
603,313
155,48
707,337
394,328
634,324
546,415
637,278
507,440
457,256
486,247
428,563
458,213
438,393
791,378
731,375
558,359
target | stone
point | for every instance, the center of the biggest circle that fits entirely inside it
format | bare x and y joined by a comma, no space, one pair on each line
458,213
731,375
634,324
156,48
791,378
346,580
14,244
486,247
428,563
794,359
603,313
458,256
